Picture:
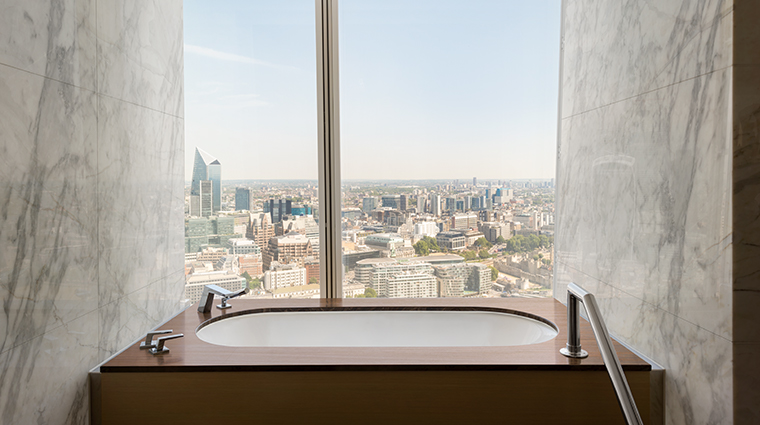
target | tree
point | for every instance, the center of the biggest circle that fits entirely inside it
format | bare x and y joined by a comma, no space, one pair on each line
468,255
422,248
533,242
432,243
313,280
370,293
484,254
500,239
247,277
494,273
483,242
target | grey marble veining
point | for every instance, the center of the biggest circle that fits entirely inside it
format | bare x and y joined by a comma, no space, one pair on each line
55,39
91,202
646,202
48,257
615,50
127,318
141,53
141,196
44,380
646,212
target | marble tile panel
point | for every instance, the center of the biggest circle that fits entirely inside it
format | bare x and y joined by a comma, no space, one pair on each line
48,243
697,363
141,197
124,320
644,199
616,50
140,53
53,38
44,381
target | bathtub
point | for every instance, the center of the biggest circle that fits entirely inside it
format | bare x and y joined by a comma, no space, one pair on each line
367,361
377,328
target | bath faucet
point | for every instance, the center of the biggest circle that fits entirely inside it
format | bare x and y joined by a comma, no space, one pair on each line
207,298
159,348
148,343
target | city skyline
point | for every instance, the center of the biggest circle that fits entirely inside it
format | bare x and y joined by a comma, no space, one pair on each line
484,105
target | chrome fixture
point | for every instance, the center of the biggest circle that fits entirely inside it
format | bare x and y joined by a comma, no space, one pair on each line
576,295
207,298
159,348
148,343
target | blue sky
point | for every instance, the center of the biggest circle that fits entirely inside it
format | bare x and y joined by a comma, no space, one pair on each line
429,89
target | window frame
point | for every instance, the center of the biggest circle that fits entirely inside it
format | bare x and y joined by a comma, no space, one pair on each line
328,125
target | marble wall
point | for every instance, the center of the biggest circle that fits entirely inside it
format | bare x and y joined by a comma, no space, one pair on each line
91,192
649,181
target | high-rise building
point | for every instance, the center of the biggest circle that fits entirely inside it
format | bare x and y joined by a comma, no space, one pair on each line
451,203
402,202
242,199
474,181
369,204
435,205
206,198
197,231
206,167
392,201
421,201
278,208
260,229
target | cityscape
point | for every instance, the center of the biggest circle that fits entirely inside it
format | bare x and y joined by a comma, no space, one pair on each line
401,239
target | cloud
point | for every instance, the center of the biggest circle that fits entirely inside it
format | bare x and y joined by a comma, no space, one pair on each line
231,57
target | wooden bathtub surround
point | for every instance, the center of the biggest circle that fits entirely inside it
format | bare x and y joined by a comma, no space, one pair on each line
197,383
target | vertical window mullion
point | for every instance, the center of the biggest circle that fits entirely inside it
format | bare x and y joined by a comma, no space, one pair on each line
328,114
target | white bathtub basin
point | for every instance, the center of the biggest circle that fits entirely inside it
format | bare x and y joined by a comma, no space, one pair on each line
376,329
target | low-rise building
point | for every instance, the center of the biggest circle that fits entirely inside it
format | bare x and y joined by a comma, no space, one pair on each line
453,241
196,281
284,275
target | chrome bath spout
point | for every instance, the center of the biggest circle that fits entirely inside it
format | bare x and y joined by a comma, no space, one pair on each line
207,298
577,295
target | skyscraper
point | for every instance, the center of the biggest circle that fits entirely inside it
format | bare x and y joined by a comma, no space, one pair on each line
206,167
242,199
435,205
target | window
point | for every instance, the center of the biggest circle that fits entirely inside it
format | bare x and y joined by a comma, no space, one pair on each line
432,165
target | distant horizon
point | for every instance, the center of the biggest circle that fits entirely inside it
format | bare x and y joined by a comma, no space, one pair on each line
462,180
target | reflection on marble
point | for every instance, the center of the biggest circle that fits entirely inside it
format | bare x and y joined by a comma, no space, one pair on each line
91,193
615,50
645,203
125,319
44,380
48,257
141,196
51,38
644,185
140,53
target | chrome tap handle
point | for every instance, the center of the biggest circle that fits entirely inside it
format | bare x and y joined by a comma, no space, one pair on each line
159,348
148,343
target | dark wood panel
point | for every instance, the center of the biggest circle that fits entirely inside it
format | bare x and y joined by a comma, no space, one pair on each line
190,353
368,397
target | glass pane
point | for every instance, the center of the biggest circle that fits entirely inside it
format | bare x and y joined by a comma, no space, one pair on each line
449,121
251,147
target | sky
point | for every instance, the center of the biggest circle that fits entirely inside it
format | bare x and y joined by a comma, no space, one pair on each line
429,89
